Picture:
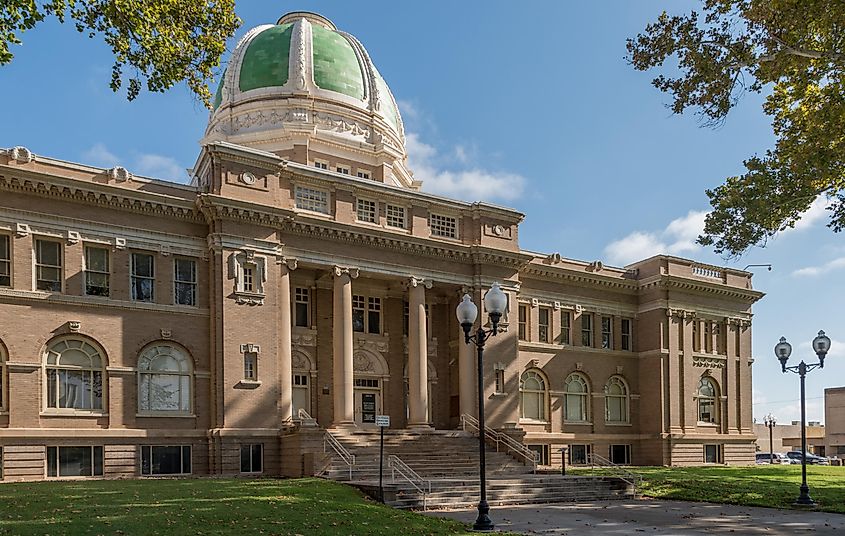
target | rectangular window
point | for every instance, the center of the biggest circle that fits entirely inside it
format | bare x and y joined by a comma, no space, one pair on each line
342,169
626,335
359,305
565,327
185,281
367,211
708,336
251,366
607,332
395,216
74,461
500,381
720,339
366,382
363,174
300,380
170,460
620,454
249,278
586,329
48,265
302,307
312,199
696,340
96,271
579,454
5,261
712,454
445,226
542,453
143,277
374,315
321,165
523,322
543,324
252,458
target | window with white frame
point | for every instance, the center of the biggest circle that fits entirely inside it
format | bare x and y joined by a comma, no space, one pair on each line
542,453
620,454
367,211
165,460
576,398
363,174
312,199
165,380
543,320
707,393
580,454
586,329
445,226
97,272
532,388
74,461
5,261
184,281
74,371
626,335
344,170
523,322
143,277
395,216
48,265
321,165
499,380
616,400
251,366
565,327
373,315
712,453
252,457
359,313
607,332
302,307
249,277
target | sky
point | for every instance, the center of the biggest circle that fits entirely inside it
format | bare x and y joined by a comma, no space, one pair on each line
532,107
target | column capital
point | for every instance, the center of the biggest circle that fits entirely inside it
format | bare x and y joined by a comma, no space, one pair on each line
414,281
352,272
291,262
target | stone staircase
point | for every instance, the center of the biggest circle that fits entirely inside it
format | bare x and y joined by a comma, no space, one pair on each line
439,469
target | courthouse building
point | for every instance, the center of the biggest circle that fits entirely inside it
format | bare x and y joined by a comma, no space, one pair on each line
149,327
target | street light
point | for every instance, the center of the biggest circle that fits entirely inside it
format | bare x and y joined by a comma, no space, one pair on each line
821,345
495,302
769,421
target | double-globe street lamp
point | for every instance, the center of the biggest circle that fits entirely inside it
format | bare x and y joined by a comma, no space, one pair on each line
495,302
821,345
770,422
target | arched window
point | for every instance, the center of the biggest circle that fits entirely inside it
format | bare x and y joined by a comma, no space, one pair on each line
577,393
532,388
707,392
616,400
74,374
165,379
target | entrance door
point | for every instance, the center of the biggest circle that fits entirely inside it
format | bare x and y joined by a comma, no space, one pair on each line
367,401
301,394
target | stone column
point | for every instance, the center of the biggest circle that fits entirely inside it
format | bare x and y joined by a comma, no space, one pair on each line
344,397
284,327
466,373
417,354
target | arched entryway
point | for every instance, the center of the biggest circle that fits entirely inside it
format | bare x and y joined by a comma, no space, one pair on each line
371,374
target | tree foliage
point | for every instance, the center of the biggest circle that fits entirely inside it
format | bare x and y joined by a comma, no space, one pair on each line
793,51
156,43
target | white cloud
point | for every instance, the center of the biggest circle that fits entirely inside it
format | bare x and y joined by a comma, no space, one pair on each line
99,155
471,184
816,212
158,166
813,271
407,109
677,238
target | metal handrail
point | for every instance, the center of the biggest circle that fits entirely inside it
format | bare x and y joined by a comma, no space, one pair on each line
421,484
305,418
499,438
347,457
626,476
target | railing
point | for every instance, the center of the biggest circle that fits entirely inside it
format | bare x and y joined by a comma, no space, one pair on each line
618,471
348,458
511,444
304,418
422,485
706,271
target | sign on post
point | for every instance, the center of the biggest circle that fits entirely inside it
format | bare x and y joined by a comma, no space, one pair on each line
383,420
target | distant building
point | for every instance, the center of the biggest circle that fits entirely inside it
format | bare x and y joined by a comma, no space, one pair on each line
149,327
834,418
786,437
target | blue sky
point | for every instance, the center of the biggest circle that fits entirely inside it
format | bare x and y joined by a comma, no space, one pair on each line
532,107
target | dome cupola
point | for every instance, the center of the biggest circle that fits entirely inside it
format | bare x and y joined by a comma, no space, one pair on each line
305,90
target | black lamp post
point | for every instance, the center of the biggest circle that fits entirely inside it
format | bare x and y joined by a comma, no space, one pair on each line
769,421
821,345
495,302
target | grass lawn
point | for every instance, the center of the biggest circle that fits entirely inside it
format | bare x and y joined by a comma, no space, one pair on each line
776,486
203,506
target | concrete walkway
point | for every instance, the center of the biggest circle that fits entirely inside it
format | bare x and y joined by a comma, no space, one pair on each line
649,516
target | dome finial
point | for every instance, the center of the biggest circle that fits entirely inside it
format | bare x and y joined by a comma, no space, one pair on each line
313,18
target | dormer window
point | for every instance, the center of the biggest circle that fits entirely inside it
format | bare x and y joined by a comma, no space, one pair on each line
445,226
321,165
363,174
367,211
343,170
395,216
312,199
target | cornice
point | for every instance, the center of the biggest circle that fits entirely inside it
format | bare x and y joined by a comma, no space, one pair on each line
580,278
103,195
215,207
47,298
670,282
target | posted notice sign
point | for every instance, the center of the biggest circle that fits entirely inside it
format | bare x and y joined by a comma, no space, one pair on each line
383,420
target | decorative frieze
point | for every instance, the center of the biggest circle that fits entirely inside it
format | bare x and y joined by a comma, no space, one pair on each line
709,362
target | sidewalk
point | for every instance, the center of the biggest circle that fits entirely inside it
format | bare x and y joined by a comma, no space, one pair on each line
653,517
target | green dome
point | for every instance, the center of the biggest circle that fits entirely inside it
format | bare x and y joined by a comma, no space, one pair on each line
267,59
